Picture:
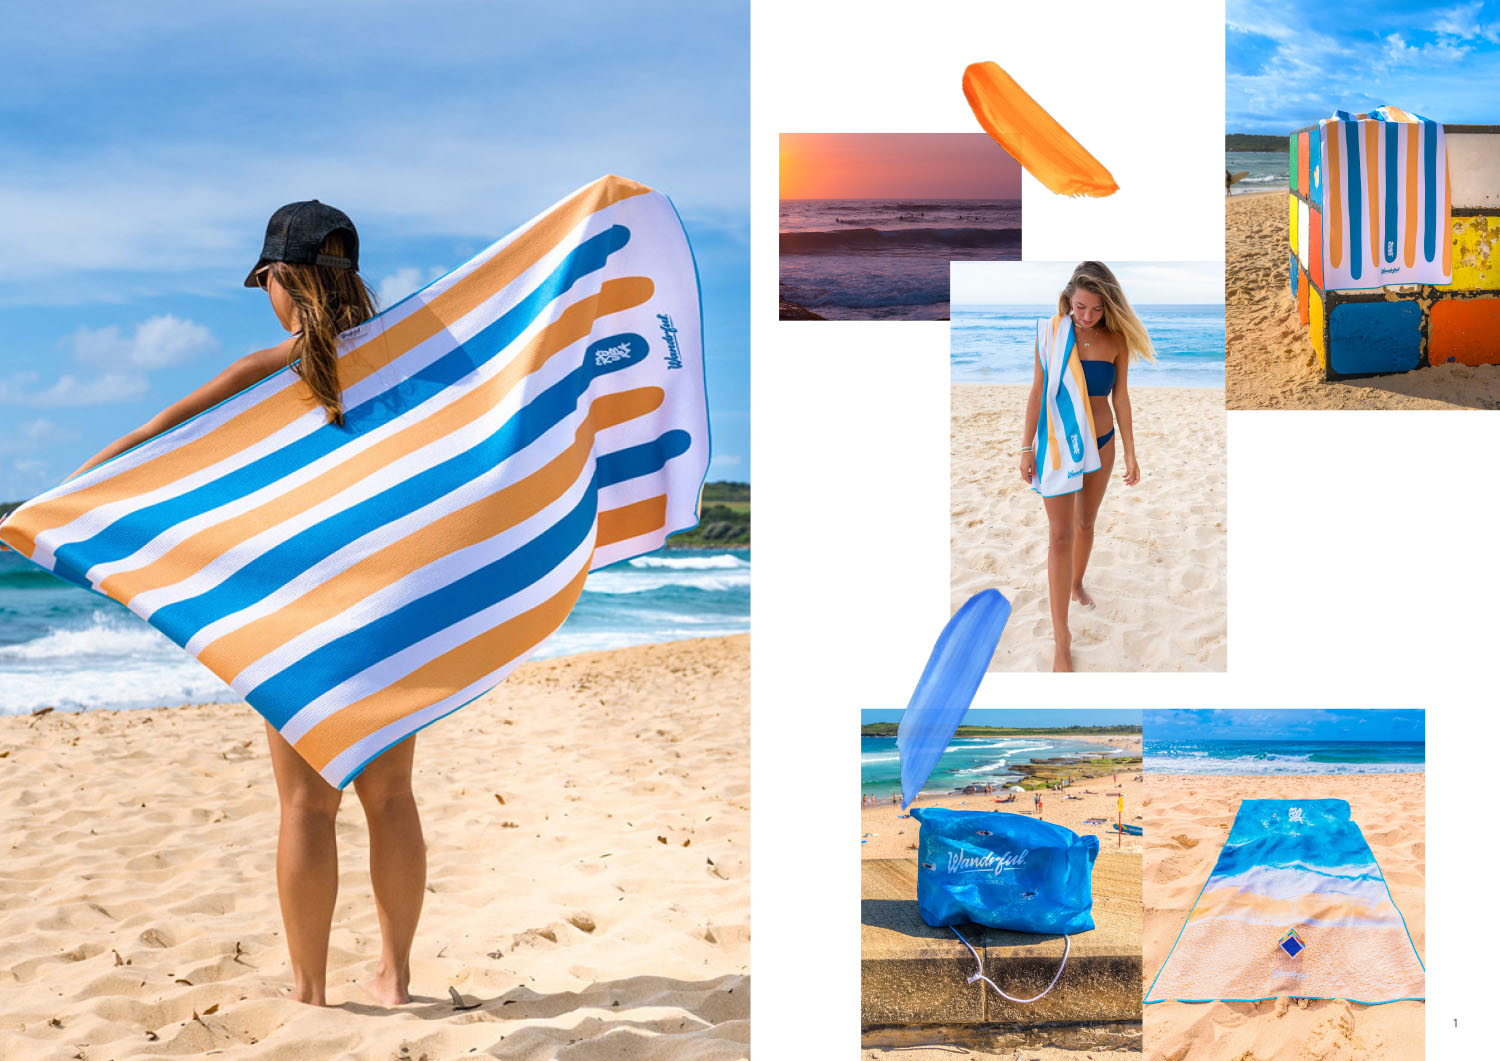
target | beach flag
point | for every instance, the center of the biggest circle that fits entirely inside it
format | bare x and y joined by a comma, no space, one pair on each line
536,414
1302,863
1383,180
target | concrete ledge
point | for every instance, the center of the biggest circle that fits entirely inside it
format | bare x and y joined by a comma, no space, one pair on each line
914,974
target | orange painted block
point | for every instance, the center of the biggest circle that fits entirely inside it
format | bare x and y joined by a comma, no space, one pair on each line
1303,287
1302,167
1464,330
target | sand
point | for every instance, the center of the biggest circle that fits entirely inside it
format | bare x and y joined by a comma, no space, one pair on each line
1269,361
1157,573
1187,821
601,910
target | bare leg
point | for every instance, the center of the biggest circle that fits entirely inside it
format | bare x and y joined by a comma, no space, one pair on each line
307,866
1061,531
398,866
1086,508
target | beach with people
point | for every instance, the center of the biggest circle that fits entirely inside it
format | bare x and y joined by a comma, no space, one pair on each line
587,827
1071,791
1269,358
1189,817
1157,575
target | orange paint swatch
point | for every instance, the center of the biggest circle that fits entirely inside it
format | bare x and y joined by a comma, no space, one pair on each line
1032,136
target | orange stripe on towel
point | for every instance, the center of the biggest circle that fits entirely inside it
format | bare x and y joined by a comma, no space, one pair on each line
1413,194
1032,136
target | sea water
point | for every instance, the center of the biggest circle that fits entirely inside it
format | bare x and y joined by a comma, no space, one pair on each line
68,648
1268,170
1271,757
996,344
879,259
968,761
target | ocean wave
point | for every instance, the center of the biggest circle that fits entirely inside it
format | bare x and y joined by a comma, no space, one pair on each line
1262,180
615,583
881,239
105,636
1270,765
719,561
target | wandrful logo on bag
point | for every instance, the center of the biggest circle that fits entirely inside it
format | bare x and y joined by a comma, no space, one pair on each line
989,862
1292,943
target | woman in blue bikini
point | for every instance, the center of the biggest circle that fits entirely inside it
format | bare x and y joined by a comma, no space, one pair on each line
1107,334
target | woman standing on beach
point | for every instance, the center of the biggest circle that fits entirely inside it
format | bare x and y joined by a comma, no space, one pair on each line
309,266
1106,335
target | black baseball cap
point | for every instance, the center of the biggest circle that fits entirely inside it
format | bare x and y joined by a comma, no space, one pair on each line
297,230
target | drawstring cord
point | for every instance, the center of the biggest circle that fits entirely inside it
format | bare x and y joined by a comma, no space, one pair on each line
1067,946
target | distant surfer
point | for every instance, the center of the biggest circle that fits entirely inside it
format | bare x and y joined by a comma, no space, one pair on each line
309,267
1107,335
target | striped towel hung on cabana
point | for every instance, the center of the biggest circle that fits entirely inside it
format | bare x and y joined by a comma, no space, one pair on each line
536,414
1386,200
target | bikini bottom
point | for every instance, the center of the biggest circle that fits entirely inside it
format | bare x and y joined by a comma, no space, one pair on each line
1104,439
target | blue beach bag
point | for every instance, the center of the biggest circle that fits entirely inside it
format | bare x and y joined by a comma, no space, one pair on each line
1003,870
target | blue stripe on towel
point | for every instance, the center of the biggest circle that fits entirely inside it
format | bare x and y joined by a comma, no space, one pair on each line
127,534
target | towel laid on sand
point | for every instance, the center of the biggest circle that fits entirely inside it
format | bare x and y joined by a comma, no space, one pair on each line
1386,199
1295,907
536,414
1065,445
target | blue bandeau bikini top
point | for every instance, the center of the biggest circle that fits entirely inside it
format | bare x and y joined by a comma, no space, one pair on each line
1099,376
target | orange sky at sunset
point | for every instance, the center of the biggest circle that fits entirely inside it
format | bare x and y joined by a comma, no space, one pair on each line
888,165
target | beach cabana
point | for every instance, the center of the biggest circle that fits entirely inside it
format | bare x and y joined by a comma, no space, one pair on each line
1392,222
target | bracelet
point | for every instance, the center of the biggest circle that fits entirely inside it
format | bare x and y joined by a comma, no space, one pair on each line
1028,449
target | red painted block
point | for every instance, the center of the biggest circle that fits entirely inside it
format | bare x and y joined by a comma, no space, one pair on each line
1303,287
1464,330
1315,247
1302,167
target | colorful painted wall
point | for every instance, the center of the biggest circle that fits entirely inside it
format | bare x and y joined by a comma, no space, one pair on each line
1399,327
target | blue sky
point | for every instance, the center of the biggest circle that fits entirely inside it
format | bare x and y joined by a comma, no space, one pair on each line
987,716
1288,63
144,147
1290,724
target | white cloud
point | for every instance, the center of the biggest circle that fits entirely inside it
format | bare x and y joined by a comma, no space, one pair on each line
402,282
1460,21
158,342
105,389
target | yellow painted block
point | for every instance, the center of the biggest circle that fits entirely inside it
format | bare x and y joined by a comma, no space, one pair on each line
1315,327
1476,254
1292,224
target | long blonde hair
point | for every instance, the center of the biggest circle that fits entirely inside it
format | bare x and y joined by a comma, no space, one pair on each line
1119,318
328,301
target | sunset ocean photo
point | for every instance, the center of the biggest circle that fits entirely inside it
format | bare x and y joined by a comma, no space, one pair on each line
870,221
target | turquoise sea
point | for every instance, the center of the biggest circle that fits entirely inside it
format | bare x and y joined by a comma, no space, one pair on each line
64,647
968,761
1271,757
995,344
1268,170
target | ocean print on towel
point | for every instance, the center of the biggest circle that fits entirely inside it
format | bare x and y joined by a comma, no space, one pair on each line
1295,907
536,414
1065,445
1386,200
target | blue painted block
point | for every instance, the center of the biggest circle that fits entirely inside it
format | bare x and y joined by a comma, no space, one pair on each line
1293,282
1371,337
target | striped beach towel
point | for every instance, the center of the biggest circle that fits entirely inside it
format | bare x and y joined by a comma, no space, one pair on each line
1065,446
1384,179
1295,907
536,414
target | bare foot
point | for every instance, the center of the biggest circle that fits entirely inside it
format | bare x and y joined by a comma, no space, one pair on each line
292,994
1081,595
387,988
1062,659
